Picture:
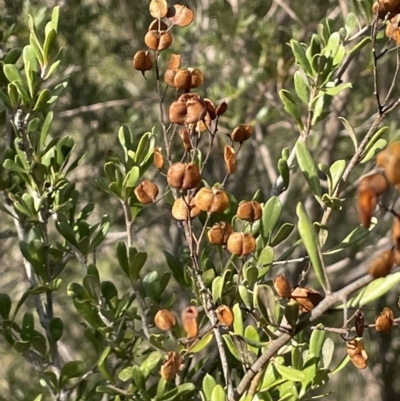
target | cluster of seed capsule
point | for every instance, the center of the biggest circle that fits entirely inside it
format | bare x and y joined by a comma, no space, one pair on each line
389,10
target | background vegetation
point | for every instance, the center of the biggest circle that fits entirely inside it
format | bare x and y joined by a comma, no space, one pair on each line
243,49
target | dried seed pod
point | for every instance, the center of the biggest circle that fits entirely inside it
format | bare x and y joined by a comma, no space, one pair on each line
157,25
282,286
180,210
385,7
210,109
384,322
158,158
177,112
185,136
189,322
242,133
376,183
389,159
219,233
225,315
158,40
393,30
175,175
212,200
197,78
354,347
396,233
241,244
164,320
249,211
359,324
307,298
382,265
221,109
204,124
174,62
360,361
180,15
192,176
146,192
230,159
158,8
143,61
171,366
195,112
183,79
169,78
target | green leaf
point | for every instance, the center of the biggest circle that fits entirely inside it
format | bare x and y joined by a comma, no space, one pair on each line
310,241
336,172
201,344
238,319
102,365
244,294
12,56
22,346
350,23
151,285
335,90
359,45
328,349
372,151
252,339
301,87
290,373
356,235
284,172
54,17
138,378
300,56
308,168
56,327
208,385
42,100
5,305
12,73
28,326
264,301
271,213
218,394
291,107
48,46
150,363
231,346
341,365
72,369
283,233
350,130
178,392
316,342
375,290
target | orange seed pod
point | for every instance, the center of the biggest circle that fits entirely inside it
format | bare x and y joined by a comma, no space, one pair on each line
219,233
143,61
242,133
382,265
189,322
230,159
158,8
164,320
225,315
183,176
180,210
146,192
282,286
307,298
180,15
158,158
241,244
249,211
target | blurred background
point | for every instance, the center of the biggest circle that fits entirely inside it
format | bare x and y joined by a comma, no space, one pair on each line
242,48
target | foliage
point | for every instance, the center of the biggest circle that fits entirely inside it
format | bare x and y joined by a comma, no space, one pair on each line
215,320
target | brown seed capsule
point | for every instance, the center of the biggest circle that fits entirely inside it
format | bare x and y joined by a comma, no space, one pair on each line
158,40
385,7
177,112
195,111
219,233
389,159
171,366
143,61
158,8
174,62
354,347
360,361
382,265
212,200
384,322
189,322
197,78
164,320
146,192
393,30
157,25
282,286
180,15
183,176
185,136
180,210
210,109
307,298
376,183
230,159
158,158
169,78
242,133
183,79
359,324
221,109
241,244
366,203
249,211
225,315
